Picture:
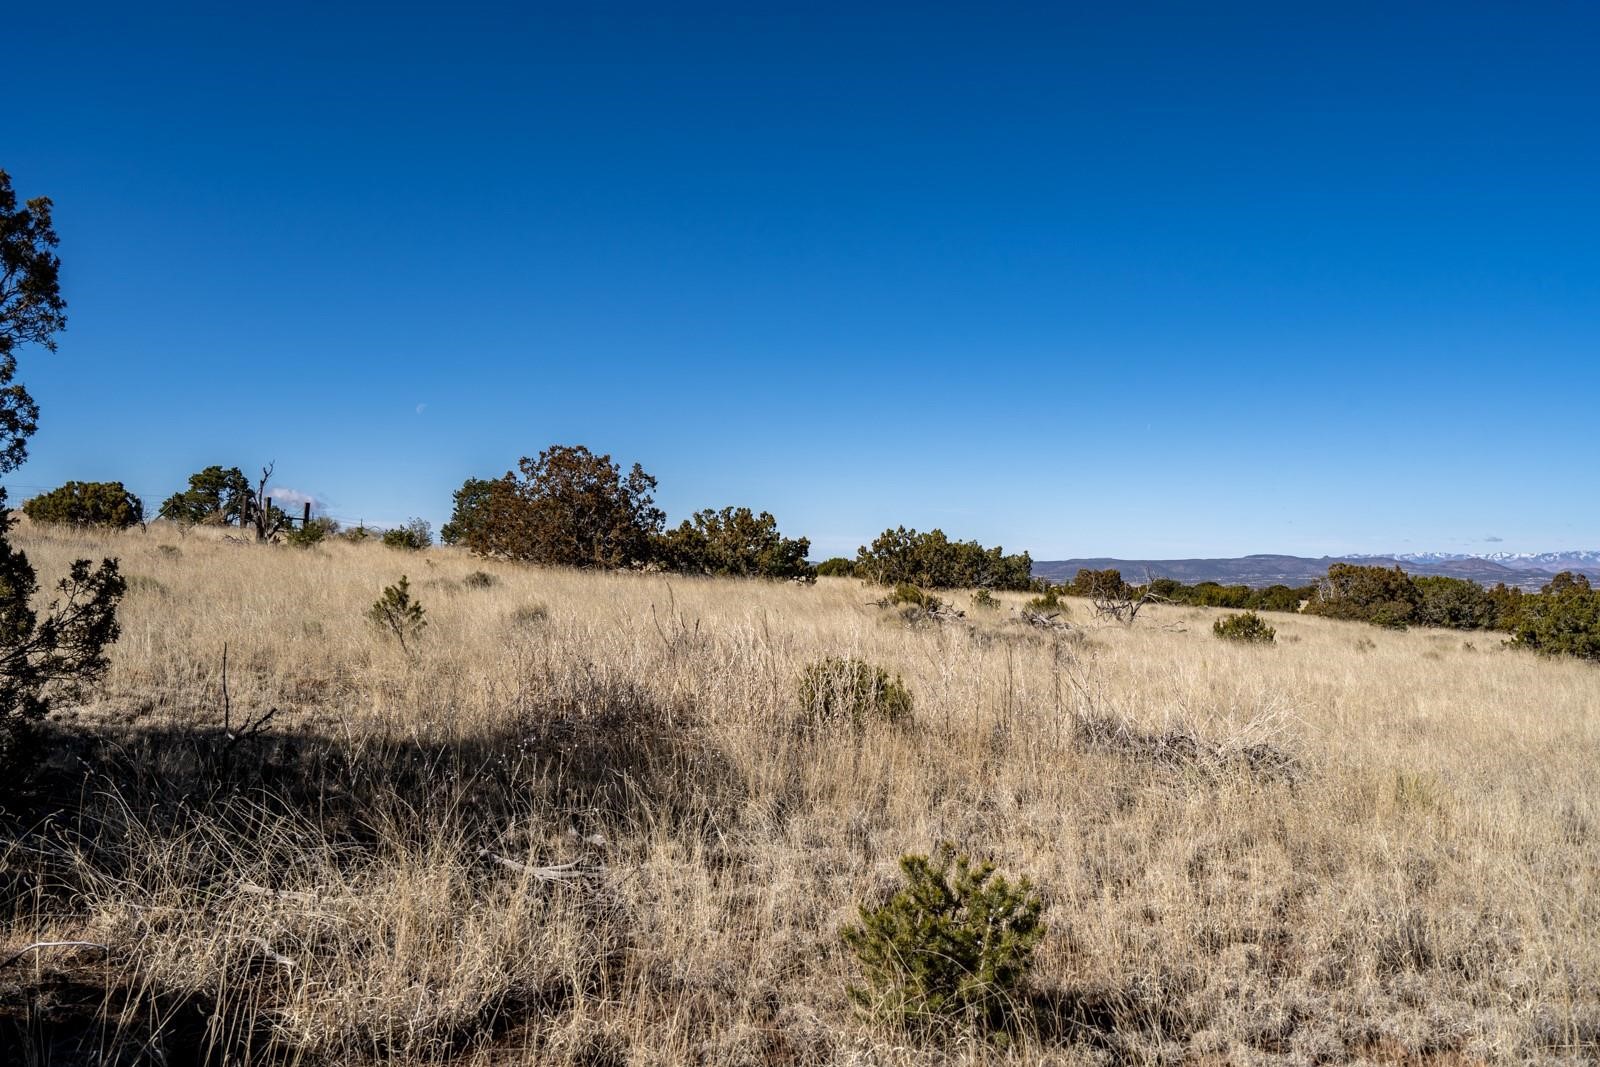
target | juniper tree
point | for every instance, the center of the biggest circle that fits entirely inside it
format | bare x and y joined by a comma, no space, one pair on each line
733,541
50,655
568,507
87,504
214,495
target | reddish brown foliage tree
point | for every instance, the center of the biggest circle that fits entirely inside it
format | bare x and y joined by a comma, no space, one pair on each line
569,507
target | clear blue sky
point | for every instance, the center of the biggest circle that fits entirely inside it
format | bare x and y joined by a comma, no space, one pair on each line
1141,280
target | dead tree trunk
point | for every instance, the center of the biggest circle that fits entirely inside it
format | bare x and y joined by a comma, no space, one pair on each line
259,513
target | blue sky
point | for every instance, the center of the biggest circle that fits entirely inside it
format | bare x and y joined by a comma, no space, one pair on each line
1139,280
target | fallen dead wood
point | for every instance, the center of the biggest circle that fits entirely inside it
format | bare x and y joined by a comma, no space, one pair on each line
1179,748
298,897
41,945
560,872
271,954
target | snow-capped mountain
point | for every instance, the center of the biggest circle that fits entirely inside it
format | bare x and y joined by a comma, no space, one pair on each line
1573,560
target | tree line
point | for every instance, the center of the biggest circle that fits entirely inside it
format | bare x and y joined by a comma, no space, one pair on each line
1562,618
571,507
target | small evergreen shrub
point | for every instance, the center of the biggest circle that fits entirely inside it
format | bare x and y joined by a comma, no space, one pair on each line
910,596
480,580
411,537
1246,626
837,567
954,943
396,613
311,533
836,690
985,600
1048,601
357,533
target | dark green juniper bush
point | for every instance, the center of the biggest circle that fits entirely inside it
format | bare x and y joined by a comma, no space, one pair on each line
933,561
471,507
1246,627
1049,600
215,496
734,542
1564,619
415,535
106,504
308,534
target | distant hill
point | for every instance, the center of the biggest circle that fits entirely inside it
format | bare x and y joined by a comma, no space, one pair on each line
1264,570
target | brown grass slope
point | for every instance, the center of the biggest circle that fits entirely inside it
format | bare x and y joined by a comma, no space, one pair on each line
580,826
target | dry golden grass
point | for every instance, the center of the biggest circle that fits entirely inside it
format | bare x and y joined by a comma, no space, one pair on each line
1421,885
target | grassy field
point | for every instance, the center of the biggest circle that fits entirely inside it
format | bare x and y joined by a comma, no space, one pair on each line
1355,845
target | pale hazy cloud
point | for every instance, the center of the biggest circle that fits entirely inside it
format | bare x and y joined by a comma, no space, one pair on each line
285,497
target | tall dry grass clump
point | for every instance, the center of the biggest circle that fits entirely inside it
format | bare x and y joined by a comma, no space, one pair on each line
575,823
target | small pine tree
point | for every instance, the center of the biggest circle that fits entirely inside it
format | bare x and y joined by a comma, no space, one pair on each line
396,613
955,942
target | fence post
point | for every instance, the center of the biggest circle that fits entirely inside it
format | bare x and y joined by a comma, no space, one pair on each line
305,519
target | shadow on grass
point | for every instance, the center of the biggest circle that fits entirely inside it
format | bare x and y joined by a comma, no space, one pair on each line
100,804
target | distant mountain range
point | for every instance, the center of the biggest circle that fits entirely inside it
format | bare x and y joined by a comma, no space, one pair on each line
1528,570
1554,562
